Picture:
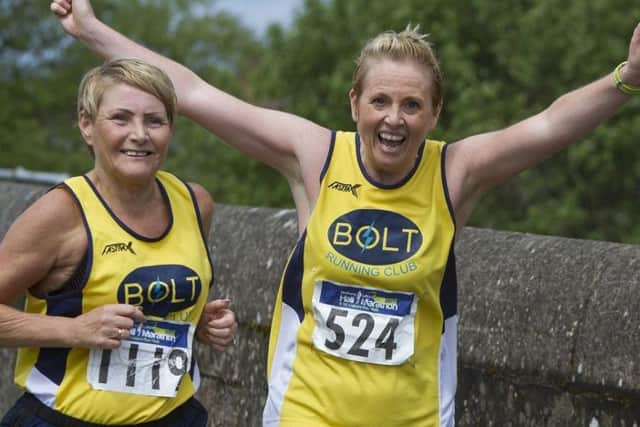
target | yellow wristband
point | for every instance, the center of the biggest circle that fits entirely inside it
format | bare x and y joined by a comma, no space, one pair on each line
622,86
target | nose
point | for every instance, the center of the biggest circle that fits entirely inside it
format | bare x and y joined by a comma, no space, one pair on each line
393,117
139,131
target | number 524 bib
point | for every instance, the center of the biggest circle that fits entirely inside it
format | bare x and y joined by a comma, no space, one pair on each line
363,324
152,361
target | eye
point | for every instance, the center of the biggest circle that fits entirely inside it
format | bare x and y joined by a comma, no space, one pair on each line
412,106
378,101
156,121
119,118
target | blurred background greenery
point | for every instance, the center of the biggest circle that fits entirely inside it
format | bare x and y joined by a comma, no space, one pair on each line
502,60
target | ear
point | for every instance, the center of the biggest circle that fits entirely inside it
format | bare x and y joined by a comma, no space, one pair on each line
436,113
353,100
85,124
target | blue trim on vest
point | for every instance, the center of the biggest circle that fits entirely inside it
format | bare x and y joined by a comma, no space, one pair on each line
380,184
327,161
292,280
202,230
124,226
449,288
192,368
88,258
445,186
52,362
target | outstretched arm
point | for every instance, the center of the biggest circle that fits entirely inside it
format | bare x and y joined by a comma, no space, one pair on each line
293,145
478,163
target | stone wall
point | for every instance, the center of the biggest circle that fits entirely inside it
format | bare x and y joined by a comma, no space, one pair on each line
549,328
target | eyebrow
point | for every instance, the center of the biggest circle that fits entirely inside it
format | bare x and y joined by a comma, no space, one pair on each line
126,110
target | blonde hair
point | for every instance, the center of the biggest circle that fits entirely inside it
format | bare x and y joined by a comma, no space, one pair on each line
407,44
133,72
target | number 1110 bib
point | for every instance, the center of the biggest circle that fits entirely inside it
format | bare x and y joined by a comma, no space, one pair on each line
152,361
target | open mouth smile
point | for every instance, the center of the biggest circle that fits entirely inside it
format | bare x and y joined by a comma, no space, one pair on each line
390,140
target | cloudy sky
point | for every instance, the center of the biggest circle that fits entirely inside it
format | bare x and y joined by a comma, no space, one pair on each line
258,14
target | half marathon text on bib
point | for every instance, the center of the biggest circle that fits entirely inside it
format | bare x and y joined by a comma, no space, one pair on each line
363,324
151,361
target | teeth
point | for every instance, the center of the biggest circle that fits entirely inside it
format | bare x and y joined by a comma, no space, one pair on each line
385,135
389,138
136,153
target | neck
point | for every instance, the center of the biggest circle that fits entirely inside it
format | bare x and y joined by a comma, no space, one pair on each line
139,204
130,196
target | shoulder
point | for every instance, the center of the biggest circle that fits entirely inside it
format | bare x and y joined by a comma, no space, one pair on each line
45,241
204,201
57,208
313,152
54,221
201,195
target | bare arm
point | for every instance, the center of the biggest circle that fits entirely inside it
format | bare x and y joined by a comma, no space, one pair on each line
293,145
478,163
40,251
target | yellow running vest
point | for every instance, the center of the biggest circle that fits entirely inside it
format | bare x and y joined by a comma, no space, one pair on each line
364,326
154,371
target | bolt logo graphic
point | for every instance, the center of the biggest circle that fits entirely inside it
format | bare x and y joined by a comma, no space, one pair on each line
374,236
160,289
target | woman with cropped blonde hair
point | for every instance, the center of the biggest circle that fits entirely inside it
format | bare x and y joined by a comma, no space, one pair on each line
116,271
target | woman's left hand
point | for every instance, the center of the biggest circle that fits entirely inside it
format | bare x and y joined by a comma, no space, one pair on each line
631,72
218,325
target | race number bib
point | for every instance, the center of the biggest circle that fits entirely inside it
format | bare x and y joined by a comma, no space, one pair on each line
363,324
152,361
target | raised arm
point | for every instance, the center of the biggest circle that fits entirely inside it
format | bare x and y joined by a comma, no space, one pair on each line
293,145
478,163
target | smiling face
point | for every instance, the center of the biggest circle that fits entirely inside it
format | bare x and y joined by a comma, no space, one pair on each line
394,112
129,135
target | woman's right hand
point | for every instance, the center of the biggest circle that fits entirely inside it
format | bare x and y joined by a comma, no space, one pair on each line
106,326
74,17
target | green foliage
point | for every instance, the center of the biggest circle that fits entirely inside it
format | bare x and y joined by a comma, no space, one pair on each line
42,68
502,60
